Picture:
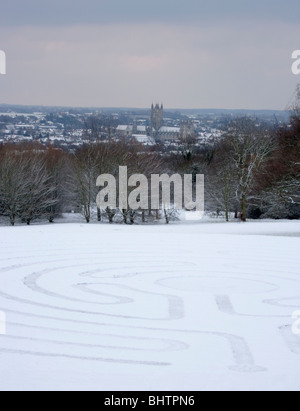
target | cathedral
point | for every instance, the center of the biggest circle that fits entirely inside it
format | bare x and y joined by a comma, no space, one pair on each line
157,131
161,132
157,117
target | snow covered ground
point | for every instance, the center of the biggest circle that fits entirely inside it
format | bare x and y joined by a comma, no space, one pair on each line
182,307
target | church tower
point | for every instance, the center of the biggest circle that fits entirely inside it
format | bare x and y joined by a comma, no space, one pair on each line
157,116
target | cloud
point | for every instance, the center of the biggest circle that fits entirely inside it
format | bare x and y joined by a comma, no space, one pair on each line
143,64
222,65
73,12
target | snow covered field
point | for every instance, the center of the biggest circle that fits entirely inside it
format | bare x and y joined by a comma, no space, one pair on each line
180,307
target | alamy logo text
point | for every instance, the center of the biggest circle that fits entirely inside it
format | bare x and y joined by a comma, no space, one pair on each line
139,193
2,62
2,323
296,64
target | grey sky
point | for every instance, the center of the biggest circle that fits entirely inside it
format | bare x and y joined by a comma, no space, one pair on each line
62,12
186,53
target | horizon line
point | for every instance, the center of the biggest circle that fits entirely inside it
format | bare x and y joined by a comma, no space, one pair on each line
139,108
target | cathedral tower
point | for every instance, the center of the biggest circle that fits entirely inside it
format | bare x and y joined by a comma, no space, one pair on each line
157,116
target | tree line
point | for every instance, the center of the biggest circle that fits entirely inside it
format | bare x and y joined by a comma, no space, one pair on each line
253,171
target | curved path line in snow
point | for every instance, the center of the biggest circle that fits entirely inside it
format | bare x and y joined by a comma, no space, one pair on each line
278,302
83,345
31,282
75,357
204,276
72,310
170,345
120,300
225,305
176,309
242,356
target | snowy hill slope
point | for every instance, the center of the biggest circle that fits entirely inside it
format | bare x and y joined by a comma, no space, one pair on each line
182,307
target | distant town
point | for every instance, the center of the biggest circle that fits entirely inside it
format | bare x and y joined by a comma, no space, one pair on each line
157,126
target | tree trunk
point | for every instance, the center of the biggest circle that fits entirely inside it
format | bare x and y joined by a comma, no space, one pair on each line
132,215
244,209
227,214
167,217
12,220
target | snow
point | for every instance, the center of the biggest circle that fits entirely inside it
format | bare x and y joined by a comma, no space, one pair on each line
143,139
165,129
195,306
123,128
141,129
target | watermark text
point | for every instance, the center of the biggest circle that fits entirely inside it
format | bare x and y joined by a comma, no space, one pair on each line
137,192
296,64
2,62
2,323
296,324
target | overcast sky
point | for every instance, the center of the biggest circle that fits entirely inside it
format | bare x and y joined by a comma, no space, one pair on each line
130,53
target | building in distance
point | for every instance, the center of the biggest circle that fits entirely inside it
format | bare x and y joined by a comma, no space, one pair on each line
157,130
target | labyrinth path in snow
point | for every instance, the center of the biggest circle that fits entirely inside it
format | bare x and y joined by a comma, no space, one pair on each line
114,307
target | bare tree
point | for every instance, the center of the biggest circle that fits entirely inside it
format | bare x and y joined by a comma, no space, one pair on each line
26,189
250,146
279,184
221,180
12,189
57,166
84,176
39,194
